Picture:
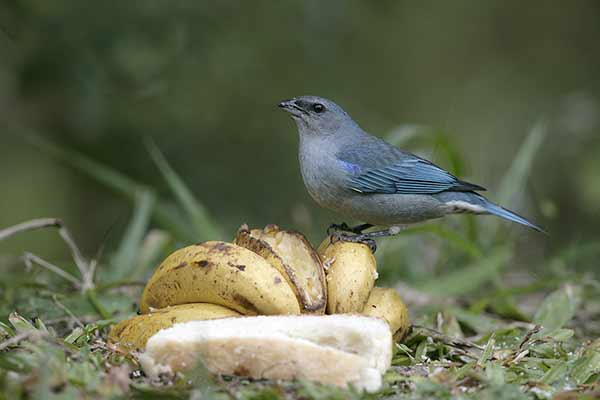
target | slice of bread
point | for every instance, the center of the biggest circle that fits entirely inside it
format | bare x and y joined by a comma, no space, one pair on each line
334,349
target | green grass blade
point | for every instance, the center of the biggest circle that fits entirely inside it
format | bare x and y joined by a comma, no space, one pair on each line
586,366
495,374
488,350
558,371
115,181
515,178
557,309
445,147
205,226
451,236
19,323
477,321
124,261
152,249
107,176
422,136
6,331
470,278
390,247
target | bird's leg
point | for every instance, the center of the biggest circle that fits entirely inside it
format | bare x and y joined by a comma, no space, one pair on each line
368,238
345,237
391,231
358,229
337,228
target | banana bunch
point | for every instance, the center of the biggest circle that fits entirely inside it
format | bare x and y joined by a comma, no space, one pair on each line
263,272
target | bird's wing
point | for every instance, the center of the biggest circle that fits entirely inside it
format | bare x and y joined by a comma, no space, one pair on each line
407,175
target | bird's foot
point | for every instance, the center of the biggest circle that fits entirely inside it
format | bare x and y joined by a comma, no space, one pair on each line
366,238
344,227
334,228
360,238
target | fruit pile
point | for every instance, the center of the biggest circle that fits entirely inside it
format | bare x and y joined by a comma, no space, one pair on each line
263,272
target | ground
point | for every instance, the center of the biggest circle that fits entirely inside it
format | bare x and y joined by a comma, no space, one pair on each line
490,321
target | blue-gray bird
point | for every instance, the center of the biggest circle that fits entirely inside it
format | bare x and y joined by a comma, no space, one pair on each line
358,175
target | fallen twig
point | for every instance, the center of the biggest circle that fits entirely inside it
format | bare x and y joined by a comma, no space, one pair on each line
30,226
17,338
86,269
529,335
447,340
67,311
30,258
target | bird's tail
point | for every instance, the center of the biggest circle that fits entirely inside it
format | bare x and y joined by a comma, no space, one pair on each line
476,203
502,212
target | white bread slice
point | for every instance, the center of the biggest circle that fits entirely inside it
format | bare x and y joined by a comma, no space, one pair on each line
334,349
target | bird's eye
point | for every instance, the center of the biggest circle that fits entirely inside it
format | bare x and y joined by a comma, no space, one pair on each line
319,108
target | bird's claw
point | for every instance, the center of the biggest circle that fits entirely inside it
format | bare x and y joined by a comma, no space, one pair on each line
344,227
344,237
334,228
371,243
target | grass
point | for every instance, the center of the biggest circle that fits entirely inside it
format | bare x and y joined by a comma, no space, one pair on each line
479,332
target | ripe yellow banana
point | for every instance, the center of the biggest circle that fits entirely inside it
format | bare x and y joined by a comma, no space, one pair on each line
293,256
220,273
133,333
386,303
350,274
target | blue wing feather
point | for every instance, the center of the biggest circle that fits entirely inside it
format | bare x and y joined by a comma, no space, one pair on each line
411,175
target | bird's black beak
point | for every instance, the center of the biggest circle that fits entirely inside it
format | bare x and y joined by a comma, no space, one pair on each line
286,104
291,107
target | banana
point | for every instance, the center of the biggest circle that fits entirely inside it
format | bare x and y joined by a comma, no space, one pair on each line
220,273
293,256
386,303
350,274
133,333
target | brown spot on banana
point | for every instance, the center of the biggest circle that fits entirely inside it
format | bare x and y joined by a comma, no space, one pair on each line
202,263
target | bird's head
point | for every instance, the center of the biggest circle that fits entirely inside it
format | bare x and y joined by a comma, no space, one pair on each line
316,115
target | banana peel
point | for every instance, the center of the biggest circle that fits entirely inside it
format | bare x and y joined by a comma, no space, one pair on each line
351,271
387,304
133,333
220,273
292,255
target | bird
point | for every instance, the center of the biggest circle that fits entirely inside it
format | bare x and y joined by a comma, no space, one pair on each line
361,176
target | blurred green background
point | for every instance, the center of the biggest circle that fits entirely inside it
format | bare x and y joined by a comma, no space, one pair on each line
464,83
149,125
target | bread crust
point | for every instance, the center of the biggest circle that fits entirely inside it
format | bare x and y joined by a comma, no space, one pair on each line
341,350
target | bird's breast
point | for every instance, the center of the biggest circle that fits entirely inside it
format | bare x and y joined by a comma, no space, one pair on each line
323,177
